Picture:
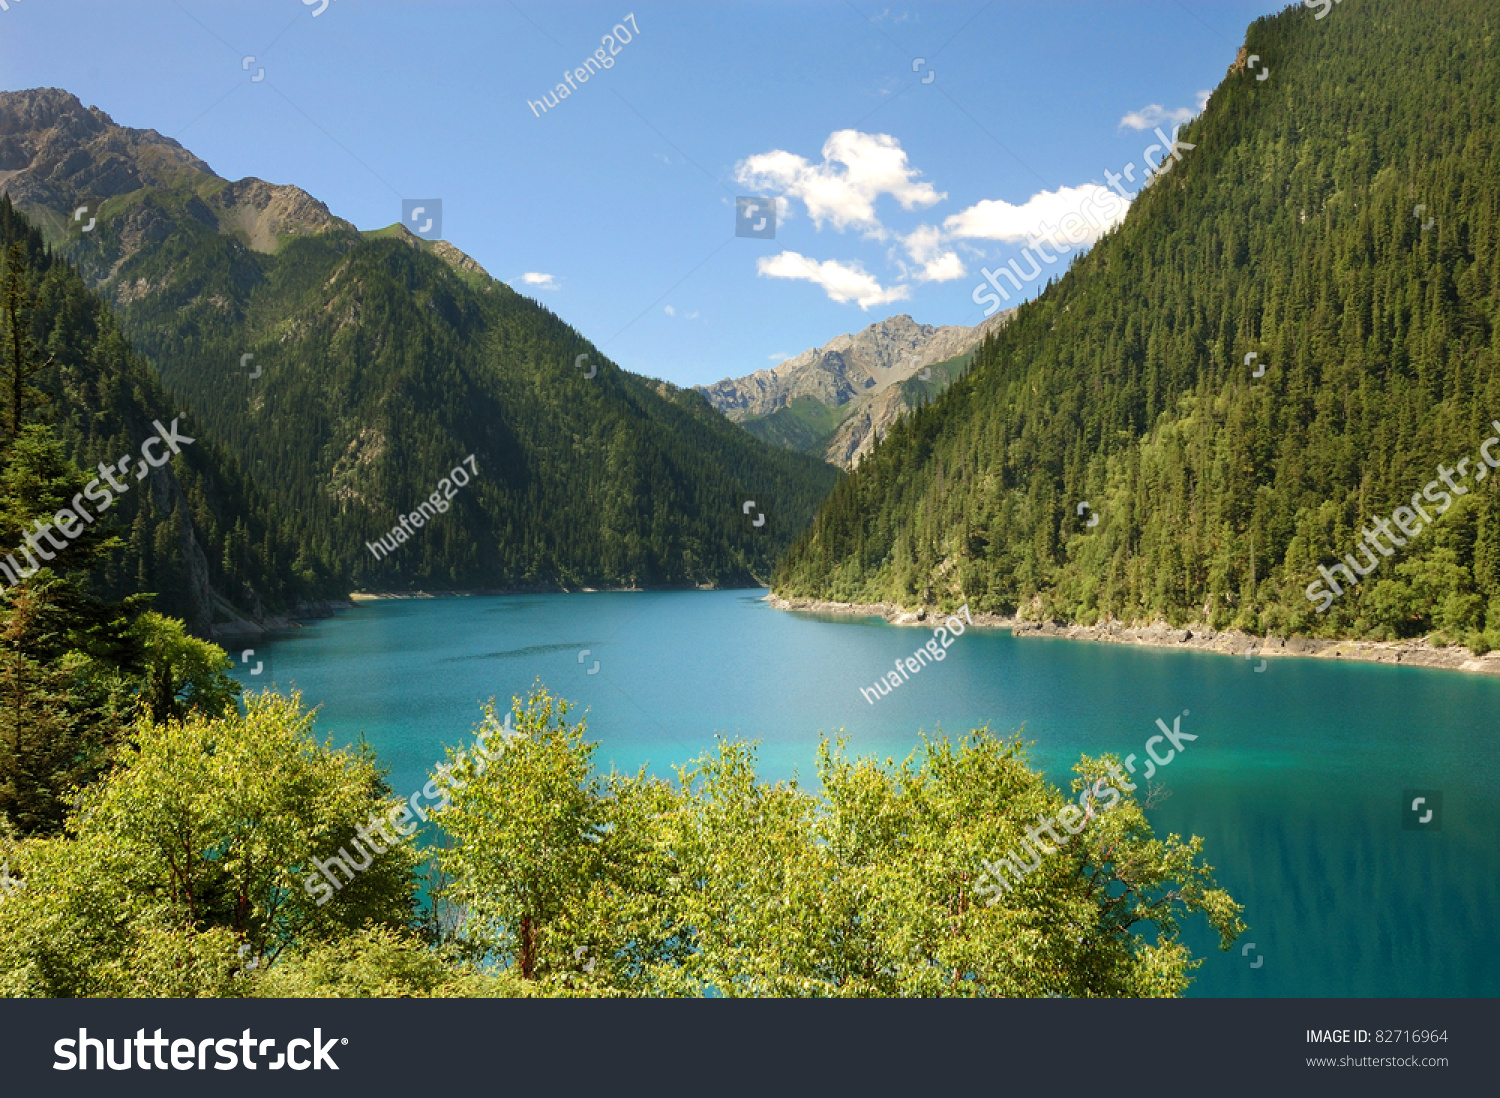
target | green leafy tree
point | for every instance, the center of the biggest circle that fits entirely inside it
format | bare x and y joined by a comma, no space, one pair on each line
720,884
527,833
199,849
66,653
378,963
183,674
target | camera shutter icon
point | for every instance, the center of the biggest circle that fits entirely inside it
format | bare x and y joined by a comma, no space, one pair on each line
1422,809
755,217
423,217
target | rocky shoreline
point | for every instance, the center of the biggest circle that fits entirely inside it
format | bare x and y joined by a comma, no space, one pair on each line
240,628
1412,653
538,589
235,626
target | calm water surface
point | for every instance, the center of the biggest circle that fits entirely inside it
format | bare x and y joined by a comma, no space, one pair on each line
1295,782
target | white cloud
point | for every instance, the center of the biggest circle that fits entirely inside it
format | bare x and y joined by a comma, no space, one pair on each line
857,169
1154,114
539,280
778,357
685,316
1067,216
842,282
939,264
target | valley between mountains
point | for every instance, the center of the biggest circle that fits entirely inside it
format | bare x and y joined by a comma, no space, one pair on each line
1101,455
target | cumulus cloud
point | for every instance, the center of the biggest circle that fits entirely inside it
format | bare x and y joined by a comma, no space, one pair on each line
1066,216
857,168
539,280
842,282
685,316
1154,114
938,263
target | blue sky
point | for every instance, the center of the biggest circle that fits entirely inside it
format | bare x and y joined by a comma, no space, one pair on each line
907,144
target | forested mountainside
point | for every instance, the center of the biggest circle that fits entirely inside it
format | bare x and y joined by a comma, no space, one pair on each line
195,532
836,400
351,372
1338,221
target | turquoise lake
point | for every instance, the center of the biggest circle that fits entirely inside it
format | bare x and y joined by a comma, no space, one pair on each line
1297,782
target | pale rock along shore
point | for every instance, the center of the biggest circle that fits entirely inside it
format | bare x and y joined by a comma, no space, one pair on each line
1411,653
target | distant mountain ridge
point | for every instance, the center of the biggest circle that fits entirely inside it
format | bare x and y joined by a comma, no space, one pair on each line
57,156
349,371
836,400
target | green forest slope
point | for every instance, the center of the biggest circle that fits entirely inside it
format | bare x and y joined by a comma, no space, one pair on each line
382,362
1339,220
383,367
195,533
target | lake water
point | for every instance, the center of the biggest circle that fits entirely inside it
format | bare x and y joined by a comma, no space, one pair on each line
1297,782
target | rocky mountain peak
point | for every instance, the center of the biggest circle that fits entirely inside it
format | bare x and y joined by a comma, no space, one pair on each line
54,151
857,376
267,212
58,157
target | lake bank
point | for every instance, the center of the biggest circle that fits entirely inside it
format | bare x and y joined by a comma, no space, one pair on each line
356,597
236,628
1412,653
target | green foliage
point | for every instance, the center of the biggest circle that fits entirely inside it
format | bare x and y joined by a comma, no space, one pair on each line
1289,232
379,963
58,721
17,344
70,658
183,674
37,482
101,399
64,651
806,425
187,871
722,885
185,864
527,833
